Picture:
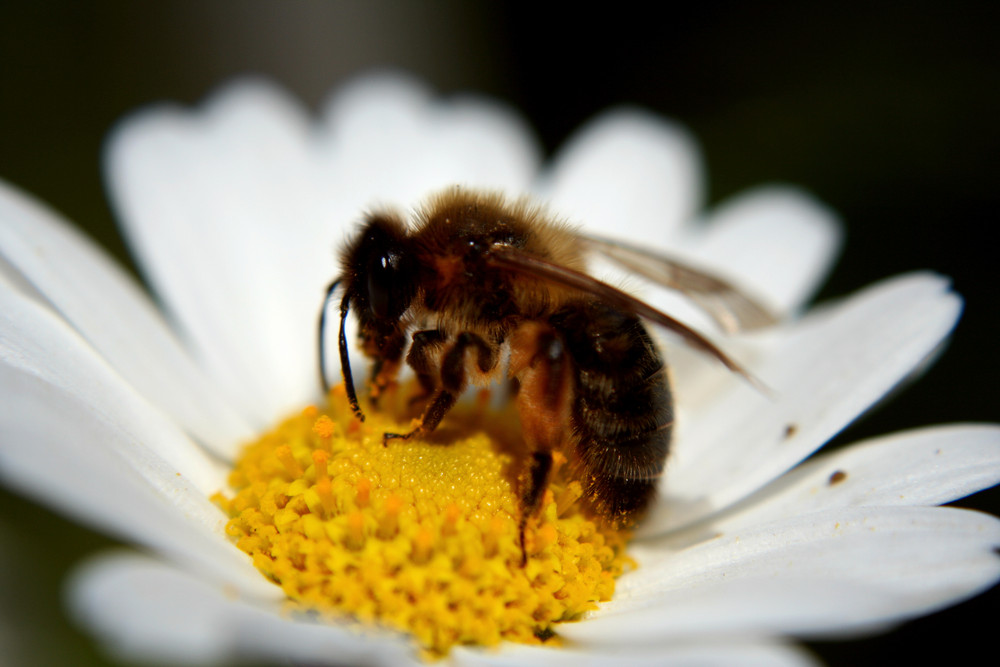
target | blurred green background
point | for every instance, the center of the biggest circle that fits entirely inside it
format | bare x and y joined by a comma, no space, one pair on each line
887,112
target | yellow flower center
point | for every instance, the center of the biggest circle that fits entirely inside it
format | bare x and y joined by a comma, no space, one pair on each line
421,536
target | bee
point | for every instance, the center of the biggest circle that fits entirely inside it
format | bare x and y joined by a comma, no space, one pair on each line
479,289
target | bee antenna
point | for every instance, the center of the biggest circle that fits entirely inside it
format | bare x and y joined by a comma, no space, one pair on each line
345,362
331,288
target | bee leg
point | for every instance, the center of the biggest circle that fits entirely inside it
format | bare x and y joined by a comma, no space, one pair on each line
531,498
453,381
544,402
419,359
384,372
387,352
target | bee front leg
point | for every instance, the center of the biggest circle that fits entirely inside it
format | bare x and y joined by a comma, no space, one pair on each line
544,402
453,382
386,351
420,359
384,372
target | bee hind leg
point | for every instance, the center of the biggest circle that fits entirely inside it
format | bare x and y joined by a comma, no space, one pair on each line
544,403
537,479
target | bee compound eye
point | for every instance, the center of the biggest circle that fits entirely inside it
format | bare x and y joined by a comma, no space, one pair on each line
381,279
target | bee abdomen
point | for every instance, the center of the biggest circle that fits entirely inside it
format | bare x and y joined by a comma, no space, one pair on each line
622,415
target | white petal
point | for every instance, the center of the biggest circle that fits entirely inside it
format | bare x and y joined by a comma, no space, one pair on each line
143,609
77,437
112,313
390,142
824,371
79,460
780,606
774,243
824,572
218,208
36,342
628,174
721,651
930,466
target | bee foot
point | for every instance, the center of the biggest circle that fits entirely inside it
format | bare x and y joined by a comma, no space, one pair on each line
386,437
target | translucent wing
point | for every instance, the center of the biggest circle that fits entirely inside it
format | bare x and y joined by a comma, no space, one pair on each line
731,308
513,259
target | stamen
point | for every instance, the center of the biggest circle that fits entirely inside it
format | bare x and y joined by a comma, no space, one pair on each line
284,454
324,427
324,491
389,520
355,530
452,513
319,464
419,536
364,489
572,493
423,545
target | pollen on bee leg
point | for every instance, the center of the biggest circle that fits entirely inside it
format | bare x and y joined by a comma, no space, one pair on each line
421,537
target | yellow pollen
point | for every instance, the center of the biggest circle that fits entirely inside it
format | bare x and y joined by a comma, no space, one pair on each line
324,427
420,536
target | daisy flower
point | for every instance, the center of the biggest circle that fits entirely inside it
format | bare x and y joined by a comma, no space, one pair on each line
128,415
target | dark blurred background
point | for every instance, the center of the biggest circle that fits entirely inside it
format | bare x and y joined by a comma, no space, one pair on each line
887,111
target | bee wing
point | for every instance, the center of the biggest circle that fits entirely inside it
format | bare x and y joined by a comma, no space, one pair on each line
732,309
512,259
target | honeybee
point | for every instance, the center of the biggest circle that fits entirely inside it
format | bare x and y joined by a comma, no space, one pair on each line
477,281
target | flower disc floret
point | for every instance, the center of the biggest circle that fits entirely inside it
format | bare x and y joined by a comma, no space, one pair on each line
421,536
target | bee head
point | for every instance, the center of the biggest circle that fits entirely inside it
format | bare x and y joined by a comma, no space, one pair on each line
380,272
378,275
